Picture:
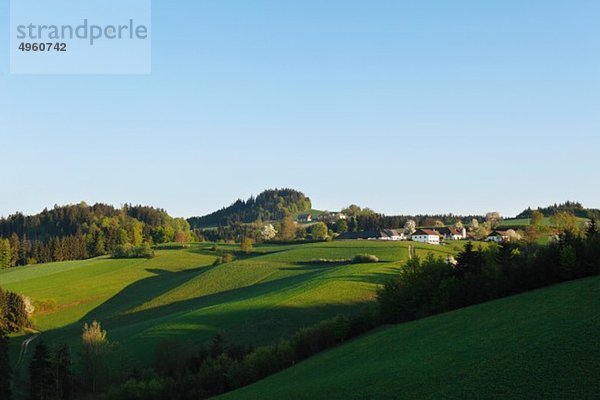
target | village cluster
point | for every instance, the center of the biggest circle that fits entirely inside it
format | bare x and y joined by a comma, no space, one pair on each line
437,235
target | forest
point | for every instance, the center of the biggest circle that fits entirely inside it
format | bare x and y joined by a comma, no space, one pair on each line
273,204
571,207
75,232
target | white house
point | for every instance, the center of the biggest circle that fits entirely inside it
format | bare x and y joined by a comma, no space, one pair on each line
304,218
331,217
426,236
448,233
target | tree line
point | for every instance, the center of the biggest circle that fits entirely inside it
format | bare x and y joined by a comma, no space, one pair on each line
571,207
221,366
81,231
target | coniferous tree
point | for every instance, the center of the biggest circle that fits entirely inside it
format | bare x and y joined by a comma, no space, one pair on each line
5,253
5,370
62,373
592,229
40,374
15,243
469,260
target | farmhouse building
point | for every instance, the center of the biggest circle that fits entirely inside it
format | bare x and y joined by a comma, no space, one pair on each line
498,236
331,217
452,233
426,236
304,218
383,234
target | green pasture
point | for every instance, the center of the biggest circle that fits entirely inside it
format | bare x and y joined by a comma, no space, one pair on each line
538,345
180,295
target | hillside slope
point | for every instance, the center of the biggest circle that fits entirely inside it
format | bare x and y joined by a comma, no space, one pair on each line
542,344
180,295
269,205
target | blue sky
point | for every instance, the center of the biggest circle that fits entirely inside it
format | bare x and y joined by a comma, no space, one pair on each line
401,106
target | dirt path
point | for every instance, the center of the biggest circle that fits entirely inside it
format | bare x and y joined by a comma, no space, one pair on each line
24,347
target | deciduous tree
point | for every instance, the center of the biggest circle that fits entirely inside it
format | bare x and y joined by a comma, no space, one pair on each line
287,228
93,354
319,231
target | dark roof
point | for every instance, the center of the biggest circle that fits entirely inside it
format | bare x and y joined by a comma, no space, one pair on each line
498,233
448,231
384,233
426,232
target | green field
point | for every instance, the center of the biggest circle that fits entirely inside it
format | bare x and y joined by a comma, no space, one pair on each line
524,222
180,295
541,344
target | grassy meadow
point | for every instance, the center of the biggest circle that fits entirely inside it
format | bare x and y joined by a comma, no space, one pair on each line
537,345
180,295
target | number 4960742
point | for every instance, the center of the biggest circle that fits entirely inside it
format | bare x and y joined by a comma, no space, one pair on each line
42,46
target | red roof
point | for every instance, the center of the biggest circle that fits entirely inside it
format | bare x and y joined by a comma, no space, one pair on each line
426,232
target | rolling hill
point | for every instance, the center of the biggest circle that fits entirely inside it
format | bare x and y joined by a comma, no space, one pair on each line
541,344
269,205
181,295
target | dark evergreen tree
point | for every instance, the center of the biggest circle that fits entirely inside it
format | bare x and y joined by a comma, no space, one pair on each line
62,373
40,374
592,229
5,370
469,260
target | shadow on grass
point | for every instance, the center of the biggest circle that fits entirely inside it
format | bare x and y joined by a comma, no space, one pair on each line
255,314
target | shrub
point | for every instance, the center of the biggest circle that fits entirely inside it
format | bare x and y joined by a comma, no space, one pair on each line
225,258
172,246
130,251
13,312
329,261
364,259
149,388
213,373
328,333
247,245
46,306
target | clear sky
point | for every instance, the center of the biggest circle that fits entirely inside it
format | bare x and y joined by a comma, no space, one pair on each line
402,106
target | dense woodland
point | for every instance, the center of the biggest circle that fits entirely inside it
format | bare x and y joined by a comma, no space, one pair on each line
269,205
571,207
80,231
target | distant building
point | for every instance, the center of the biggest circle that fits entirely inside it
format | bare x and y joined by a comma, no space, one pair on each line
392,234
452,233
383,234
304,218
498,236
331,217
426,236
